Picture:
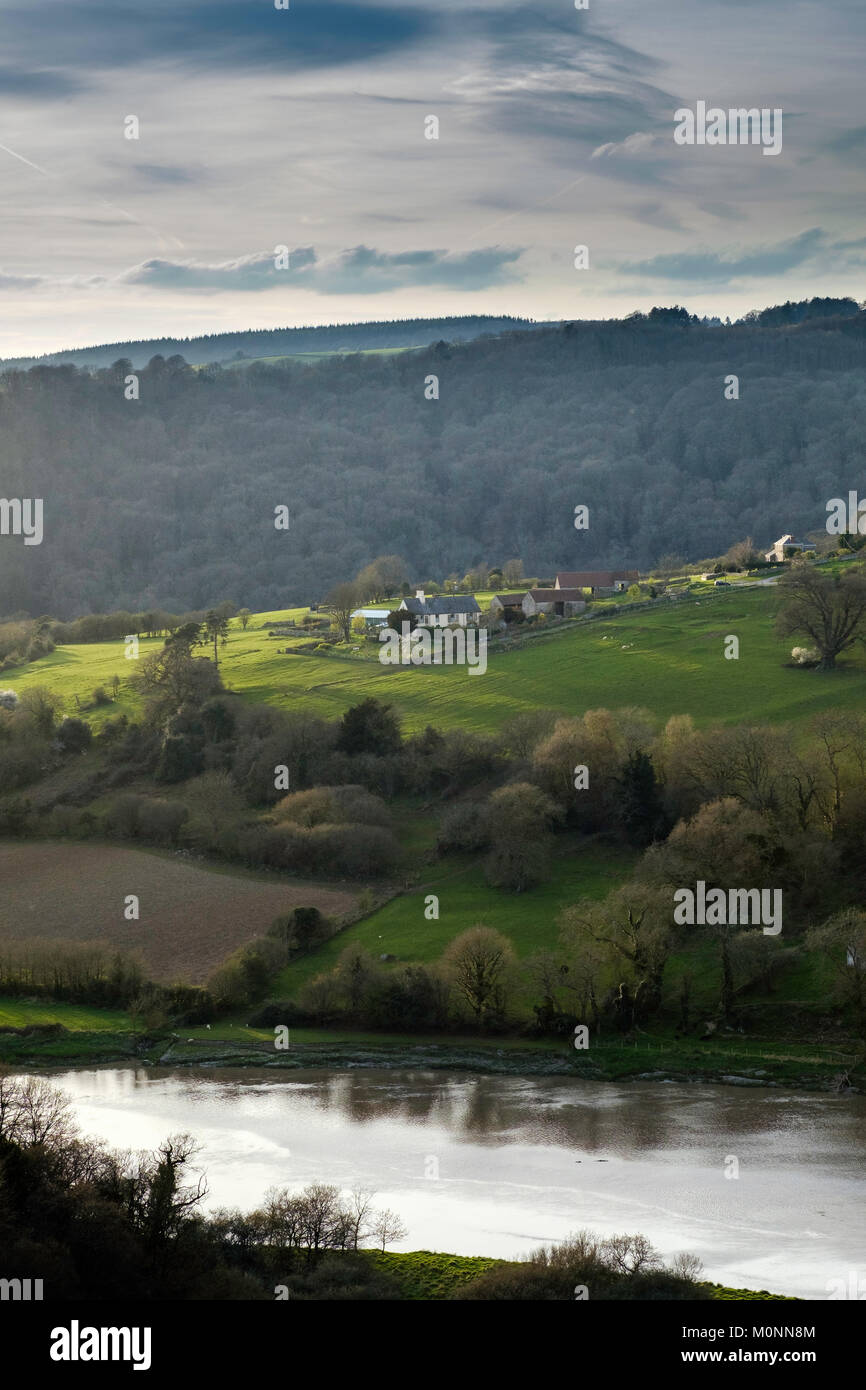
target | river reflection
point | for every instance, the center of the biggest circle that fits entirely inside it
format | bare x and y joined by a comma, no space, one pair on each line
496,1165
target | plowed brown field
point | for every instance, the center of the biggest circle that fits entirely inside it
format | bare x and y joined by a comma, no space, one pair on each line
190,918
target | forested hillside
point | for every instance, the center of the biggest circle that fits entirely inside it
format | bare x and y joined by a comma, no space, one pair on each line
387,335
169,500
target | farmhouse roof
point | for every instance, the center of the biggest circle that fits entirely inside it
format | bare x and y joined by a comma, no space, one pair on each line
466,604
510,600
558,595
455,604
594,579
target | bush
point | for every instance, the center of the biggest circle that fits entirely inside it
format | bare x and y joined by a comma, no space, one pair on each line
246,974
161,821
414,999
356,851
182,757
69,822
301,929
621,1267
21,763
16,817
286,1014
121,816
101,696
464,828
333,806
74,735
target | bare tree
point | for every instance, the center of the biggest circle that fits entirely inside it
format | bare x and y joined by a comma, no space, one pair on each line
320,1214
342,601
512,571
358,1214
842,748
630,1255
829,608
32,1111
387,1228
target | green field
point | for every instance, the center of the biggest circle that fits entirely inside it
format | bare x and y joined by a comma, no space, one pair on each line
529,919
668,659
21,1013
309,358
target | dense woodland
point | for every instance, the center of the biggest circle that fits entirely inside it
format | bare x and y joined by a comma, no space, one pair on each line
169,500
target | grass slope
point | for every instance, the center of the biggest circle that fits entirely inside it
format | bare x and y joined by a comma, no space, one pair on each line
428,1274
668,659
401,928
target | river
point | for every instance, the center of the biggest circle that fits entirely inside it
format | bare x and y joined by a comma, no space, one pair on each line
490,1165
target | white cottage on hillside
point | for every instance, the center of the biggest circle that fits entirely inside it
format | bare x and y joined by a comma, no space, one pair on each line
784,547
439,612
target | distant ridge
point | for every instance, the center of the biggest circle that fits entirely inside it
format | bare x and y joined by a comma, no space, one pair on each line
276,342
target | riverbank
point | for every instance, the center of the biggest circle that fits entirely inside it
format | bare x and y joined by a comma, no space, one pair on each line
726,1060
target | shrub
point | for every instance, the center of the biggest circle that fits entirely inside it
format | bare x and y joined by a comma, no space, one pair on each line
413,999
74,735
121,816
245,975
300,929
464,828
16,816
20,764
621,1267
67,821
356,851
182,757
333,806
160,820
285,1014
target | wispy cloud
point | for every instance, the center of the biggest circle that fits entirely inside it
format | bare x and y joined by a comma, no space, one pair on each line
632,146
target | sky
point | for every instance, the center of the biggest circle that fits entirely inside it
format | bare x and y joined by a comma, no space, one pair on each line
307,127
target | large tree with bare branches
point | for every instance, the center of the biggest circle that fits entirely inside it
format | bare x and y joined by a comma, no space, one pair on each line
830,609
